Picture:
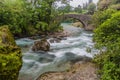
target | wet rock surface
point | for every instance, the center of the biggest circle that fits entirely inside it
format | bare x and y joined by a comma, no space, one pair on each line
42,45
77,24
78,71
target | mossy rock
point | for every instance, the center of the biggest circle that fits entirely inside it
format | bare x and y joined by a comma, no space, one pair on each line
5,36
10,56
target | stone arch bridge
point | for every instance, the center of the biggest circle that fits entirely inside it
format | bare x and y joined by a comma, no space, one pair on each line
84,19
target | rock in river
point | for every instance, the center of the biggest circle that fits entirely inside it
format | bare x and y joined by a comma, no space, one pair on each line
42,45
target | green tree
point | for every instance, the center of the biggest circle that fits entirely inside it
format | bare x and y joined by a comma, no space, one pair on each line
115,6
91,8
13,13
101,16
22,16
78,9
108,32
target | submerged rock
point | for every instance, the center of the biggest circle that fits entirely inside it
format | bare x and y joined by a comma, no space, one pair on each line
10,56
55,40
45,58
42,44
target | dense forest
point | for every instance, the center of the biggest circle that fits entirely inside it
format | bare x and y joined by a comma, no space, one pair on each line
24,18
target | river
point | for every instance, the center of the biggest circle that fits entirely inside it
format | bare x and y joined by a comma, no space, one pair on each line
57,59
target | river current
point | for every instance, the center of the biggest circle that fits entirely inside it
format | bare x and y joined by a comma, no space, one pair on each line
57,59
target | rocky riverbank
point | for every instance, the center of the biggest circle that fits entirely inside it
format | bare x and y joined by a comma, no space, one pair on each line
68,56
78,71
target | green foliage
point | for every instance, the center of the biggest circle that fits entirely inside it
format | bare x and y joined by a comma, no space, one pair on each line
42,26
22,16
101,16
109,64
65,9
43,14
116,7
10,63
91,8
107,36
13,13
55,25
108,32
78,9
10,56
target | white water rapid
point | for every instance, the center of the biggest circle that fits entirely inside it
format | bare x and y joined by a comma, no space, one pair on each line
70,49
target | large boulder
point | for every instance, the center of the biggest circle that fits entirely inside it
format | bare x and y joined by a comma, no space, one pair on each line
10,56
42,45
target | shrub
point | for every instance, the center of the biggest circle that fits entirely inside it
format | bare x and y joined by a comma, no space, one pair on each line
14,14
109,31
108,35
116,6
101,16
10,56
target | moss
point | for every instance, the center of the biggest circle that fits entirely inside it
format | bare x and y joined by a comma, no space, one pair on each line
10,56
5,36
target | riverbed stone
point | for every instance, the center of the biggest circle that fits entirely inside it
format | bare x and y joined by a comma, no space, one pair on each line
78,71
10,55
41,45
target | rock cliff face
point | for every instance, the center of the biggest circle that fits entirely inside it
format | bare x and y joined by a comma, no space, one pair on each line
10,56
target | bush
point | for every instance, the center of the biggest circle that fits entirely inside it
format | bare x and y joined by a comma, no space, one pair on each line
14,14
109,31
108,35
109,64
101,16
10,56
91,8
116,6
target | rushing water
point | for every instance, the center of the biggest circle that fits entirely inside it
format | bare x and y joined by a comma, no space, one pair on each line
74,47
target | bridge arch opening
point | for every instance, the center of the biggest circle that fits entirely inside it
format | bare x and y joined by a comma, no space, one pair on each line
84,19
74,21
